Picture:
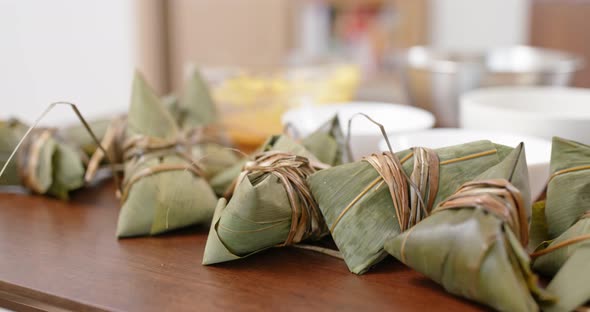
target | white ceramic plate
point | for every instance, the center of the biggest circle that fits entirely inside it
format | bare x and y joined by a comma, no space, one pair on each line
537,111
537,150
365,136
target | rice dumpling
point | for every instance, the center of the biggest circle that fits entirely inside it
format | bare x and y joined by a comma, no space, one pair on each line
473,242
195,103
567,255
551,255
45,163
271,206
198,116
195,115
567,258
568,191
78,135
163,188
366,202
326,145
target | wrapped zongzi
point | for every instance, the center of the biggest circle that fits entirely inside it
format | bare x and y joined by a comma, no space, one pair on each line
163,188
568,216
326,144
197,115
568,191
473,242
271,206
78,135
367,201
567,257
45,163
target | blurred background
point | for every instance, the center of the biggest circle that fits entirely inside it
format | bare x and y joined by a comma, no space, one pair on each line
86,51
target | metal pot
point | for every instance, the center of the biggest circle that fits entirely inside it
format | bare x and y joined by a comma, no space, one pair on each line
435,79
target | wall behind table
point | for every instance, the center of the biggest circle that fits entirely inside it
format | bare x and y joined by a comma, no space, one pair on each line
81,51
252,33
478,24
563,25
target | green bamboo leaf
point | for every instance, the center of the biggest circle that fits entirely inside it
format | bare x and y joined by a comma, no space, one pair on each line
538,231
260,213
195,109
43,172
147,116
53,166
474,253
78,136
550,263
215,250
327,143
10,133
68,171
570,284
568,194
257,217
215,158
172,105
569,264
368,222
196,102
222,181
167,200
567,213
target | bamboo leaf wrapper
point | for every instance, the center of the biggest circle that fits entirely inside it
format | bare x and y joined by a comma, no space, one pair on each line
163,188
567,255
198,113
326,145
359,208
568,191
45,163
570,266
271,206
473,243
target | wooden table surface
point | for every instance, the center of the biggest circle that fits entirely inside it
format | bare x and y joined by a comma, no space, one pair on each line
56,254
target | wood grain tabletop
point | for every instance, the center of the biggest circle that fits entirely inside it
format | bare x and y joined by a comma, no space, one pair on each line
64,255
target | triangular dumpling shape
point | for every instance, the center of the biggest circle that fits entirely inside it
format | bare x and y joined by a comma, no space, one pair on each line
163,189
473,243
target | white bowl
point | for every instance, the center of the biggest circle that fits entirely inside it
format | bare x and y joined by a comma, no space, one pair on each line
365,136
537,150
543,112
